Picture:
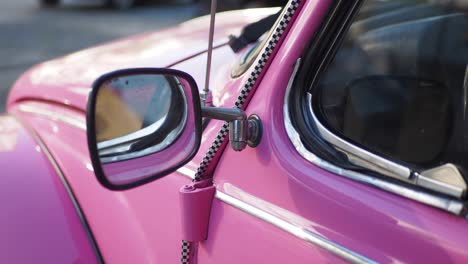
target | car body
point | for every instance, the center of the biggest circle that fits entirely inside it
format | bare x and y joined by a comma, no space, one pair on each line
279,202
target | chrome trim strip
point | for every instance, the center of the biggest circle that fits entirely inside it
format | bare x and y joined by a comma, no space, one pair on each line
286,226
53,115
187,172
392,167
366,159
445,178
449,205
297,231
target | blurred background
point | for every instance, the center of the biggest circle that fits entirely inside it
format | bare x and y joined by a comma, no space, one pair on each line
33,31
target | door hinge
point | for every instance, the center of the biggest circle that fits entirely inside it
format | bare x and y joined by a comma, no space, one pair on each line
195,203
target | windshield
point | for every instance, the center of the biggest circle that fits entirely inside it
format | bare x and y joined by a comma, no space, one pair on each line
251,41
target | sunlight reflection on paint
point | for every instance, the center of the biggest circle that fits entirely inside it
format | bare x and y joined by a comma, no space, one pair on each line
8,133
89,166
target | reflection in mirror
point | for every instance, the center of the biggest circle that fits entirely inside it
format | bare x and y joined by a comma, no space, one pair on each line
142,124
138,115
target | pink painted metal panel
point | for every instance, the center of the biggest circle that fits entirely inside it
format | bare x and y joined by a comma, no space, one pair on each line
376,224
67,80
141,225
195,202
38,223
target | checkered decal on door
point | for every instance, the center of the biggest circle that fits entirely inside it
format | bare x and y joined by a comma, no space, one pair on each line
268,50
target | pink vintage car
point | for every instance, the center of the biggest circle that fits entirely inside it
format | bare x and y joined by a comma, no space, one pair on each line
329,131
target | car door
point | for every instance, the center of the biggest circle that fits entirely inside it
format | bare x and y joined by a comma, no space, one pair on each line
290,201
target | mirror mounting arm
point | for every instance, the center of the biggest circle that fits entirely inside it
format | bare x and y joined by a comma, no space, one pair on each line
243,131
225,114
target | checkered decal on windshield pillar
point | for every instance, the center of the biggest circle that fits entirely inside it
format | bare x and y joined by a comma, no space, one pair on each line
185,252
268,50
223,133
212,151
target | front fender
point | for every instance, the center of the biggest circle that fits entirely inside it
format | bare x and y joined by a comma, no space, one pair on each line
39,220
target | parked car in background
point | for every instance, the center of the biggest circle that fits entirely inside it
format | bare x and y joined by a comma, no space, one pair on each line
332,131
205,4
120,4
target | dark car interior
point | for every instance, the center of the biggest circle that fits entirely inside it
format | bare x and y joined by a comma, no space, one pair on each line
397,85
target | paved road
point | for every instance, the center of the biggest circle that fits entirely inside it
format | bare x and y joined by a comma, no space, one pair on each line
30,34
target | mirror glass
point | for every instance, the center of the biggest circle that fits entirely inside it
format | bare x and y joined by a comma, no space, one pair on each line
144,125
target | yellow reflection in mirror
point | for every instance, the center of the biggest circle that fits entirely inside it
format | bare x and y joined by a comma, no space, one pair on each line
114,118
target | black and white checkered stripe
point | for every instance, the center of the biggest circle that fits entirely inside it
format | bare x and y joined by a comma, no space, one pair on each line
223,133
186,246
265,55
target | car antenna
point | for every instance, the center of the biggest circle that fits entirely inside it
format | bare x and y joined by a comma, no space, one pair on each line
206,97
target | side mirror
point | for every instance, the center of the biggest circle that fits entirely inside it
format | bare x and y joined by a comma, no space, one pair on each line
142,124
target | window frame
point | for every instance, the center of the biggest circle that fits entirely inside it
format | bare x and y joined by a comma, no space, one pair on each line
318,55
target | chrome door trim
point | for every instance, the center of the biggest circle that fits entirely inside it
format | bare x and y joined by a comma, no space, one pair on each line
450,205
283,224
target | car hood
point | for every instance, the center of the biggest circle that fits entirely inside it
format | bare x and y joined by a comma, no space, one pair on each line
67,80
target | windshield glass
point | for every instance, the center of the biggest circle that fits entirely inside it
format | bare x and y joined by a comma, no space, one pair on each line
251,41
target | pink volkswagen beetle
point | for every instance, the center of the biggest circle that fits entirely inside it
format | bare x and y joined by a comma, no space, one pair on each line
327,131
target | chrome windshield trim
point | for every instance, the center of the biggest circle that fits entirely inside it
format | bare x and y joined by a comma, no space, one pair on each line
453,206
293,229
384,164
366,159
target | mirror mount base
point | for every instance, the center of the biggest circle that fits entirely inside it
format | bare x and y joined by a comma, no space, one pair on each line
243,131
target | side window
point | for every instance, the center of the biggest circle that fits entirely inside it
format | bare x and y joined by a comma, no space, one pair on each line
397,86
